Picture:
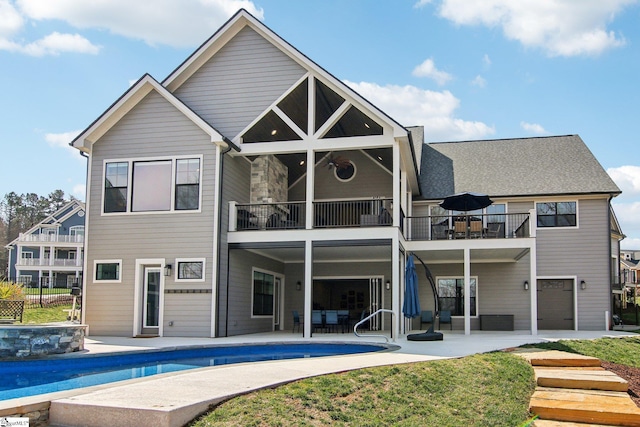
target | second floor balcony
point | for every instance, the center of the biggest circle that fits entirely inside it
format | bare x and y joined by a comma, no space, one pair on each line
51,238
50,262
376,212
326,214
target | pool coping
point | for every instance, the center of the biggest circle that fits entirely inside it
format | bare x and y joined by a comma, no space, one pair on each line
28,404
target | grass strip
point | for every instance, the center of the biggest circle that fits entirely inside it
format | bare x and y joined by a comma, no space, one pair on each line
481,390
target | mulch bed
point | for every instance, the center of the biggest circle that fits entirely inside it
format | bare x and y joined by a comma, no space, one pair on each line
632,375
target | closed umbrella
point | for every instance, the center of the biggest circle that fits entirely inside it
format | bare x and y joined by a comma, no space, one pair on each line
411,306
467,201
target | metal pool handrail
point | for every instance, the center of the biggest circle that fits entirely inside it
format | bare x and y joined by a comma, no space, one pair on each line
382,310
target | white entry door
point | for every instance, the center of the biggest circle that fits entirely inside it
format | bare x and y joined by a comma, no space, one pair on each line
375,292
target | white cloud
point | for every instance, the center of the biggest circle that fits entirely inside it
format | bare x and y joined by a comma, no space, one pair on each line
62,140
479,81
628,215
79,191
630,244
422,3
56,43
181,23
628,179
559,27
534,128
428,69
486,61
414,106
12,22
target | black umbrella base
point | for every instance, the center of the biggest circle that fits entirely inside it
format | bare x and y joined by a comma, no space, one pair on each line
430,335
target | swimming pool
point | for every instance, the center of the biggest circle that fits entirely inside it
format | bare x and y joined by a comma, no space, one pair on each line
32,377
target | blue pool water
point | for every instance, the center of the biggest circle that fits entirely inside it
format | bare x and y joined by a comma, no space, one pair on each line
31,377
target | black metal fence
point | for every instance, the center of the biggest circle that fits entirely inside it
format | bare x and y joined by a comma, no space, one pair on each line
41,293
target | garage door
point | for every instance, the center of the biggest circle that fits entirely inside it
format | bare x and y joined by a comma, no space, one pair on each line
555,304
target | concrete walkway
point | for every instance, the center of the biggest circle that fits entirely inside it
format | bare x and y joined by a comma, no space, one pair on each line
173,399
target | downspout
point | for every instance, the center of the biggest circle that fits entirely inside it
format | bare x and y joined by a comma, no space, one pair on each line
610,316
220,197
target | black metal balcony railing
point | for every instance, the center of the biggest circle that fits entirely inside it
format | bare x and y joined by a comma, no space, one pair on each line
490,226
326,214
352,213
271,216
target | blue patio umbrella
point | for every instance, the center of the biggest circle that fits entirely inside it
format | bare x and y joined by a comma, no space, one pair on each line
411,306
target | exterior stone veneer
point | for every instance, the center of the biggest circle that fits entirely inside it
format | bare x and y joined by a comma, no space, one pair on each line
21,341
269,180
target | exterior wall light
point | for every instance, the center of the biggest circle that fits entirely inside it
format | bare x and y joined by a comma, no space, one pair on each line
583,285
387,285
167,270
298,286
526,285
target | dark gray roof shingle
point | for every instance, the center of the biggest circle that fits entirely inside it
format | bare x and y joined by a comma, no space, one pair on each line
513,167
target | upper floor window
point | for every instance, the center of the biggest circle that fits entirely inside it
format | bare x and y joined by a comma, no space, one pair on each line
556,214
153,185
76,230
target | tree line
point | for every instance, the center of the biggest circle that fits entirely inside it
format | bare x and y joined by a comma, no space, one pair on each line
20,212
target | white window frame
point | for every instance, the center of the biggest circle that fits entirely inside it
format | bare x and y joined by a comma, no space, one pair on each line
73,230
438,278
107,261
263,271
177,269
131,161
26,255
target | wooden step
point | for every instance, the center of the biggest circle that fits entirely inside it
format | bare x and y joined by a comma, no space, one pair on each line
585,406
582,378
553,423
541,357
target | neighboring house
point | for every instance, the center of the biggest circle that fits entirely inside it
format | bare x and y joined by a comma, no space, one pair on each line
251,183
50,254
629,276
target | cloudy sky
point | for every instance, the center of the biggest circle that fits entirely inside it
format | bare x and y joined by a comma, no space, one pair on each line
465,69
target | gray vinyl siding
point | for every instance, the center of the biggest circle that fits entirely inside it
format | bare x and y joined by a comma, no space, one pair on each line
581,252
241,81
240,287
153,128
371,180
500,290
235,187
190,314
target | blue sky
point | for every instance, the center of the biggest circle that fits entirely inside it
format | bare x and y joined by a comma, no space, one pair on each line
464,69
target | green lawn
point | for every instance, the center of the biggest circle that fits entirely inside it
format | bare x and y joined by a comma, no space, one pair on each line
45,315
491,389
483,390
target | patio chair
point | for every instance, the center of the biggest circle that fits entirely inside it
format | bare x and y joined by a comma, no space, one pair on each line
316,320
246,220
460,229
343,319
438,232
494,230
445,317
331,320
475,229
296,321
426,317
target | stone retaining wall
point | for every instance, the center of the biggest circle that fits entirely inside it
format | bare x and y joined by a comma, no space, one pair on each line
20,341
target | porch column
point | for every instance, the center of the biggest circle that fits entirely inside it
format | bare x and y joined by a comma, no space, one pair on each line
308,284
533,288
396,284
467,291
311,163
396,184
